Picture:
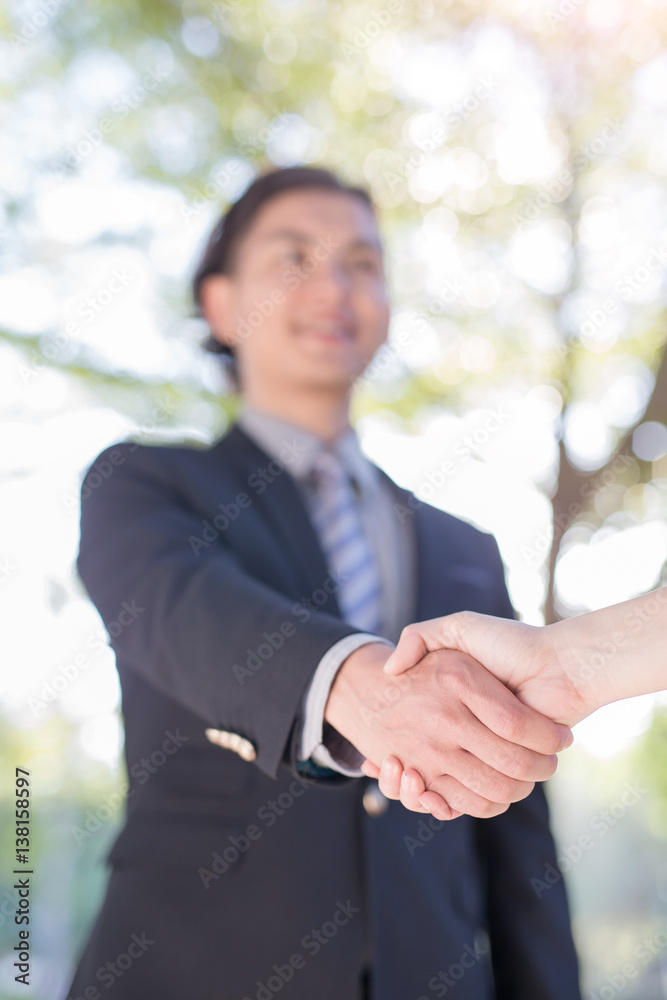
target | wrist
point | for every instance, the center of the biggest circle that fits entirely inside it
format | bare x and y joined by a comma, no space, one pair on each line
352,690
569,653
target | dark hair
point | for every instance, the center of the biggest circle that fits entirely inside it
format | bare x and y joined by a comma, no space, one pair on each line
221,253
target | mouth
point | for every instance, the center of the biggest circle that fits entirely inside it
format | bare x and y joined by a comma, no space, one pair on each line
328,332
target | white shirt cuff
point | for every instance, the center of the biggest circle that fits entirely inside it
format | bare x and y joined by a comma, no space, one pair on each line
347,758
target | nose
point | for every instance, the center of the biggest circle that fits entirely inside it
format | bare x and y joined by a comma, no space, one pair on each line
330,276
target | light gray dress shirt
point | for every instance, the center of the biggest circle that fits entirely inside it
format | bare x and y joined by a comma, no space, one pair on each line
390,544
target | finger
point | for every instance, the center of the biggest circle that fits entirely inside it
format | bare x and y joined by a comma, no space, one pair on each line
389,781
502,713
502,756
462,799
486,784
420,638
370,769
437,806
413,794
480,778
411,787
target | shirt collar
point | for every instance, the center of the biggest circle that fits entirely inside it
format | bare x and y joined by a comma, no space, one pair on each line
298,448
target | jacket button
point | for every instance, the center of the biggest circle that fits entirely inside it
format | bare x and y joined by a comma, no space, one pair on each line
374,802
232,741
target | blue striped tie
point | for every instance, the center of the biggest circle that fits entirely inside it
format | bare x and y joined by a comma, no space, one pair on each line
349,555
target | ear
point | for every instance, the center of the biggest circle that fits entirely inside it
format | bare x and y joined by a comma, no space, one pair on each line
215,296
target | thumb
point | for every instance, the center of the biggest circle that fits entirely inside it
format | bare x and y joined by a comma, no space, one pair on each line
419,639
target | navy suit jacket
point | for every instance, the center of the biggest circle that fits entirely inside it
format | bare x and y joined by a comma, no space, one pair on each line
199,564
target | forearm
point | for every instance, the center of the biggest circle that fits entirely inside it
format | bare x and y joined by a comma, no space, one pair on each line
616,652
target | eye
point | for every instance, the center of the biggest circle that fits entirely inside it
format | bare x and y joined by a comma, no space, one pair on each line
294,254
365,264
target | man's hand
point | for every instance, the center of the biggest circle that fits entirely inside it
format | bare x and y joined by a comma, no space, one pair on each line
461,730
523,657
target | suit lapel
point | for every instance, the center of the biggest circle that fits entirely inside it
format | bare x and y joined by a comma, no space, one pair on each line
434,585
282,506
429,539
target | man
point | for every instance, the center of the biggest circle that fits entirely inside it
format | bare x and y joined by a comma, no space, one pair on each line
269,577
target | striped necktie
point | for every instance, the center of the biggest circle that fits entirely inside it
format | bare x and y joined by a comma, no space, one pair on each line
349,556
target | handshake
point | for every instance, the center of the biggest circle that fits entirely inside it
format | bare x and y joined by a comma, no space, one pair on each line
469,711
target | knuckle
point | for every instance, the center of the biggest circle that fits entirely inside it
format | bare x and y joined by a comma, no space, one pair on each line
436,756
435,722
518,763
491,809
553,742
501,789
511,721
484,809
499,810
451,679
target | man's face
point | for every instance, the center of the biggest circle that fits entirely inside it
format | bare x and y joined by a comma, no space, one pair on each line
308,303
